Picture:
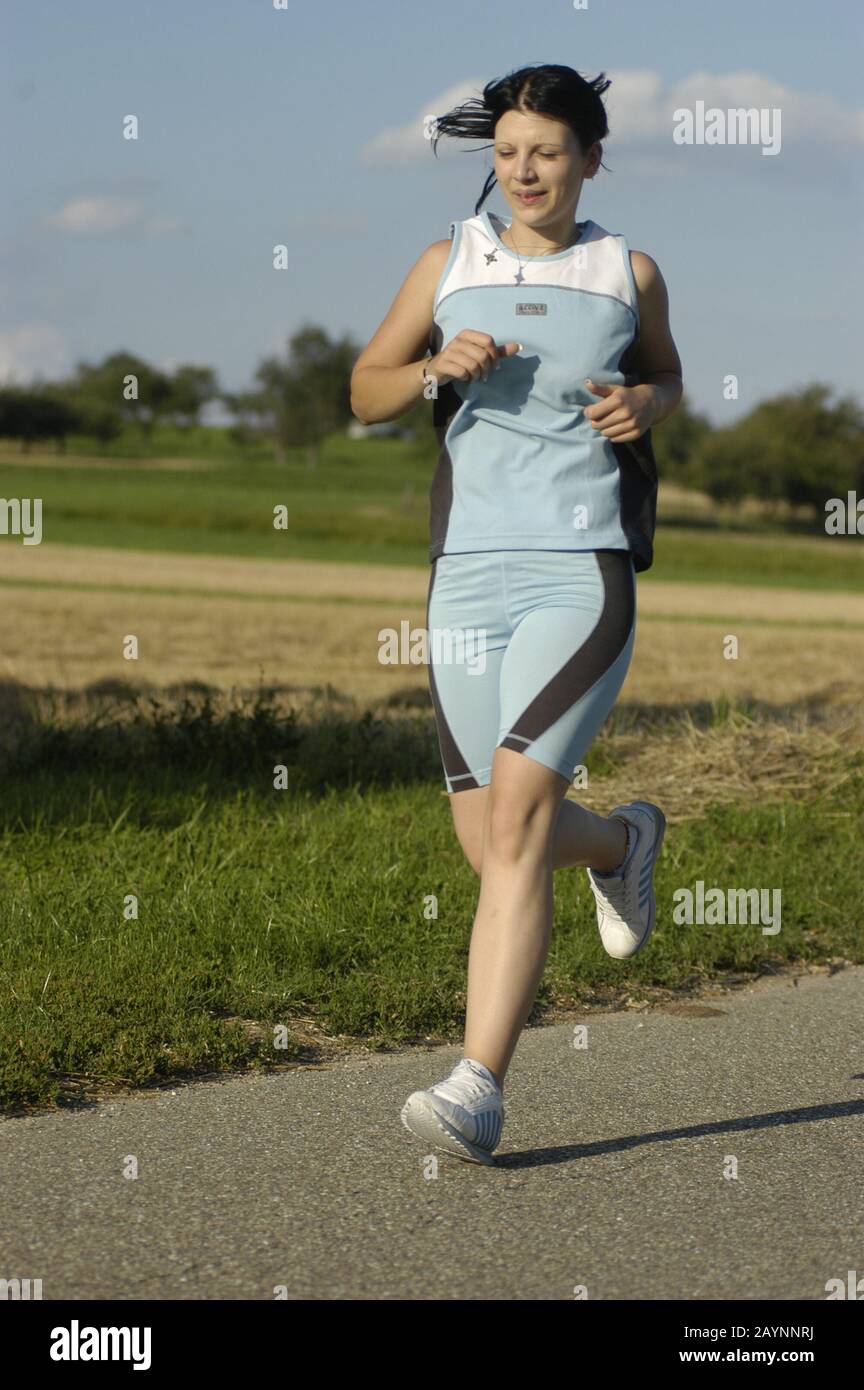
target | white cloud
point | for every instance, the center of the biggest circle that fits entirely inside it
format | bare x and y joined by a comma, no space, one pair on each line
31,350
96,216
640,110
804,116
406,144
104,215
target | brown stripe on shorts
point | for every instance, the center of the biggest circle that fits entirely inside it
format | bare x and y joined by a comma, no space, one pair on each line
597,653
455,765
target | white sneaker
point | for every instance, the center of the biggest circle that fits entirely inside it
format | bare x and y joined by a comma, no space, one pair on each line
626,909
462,1115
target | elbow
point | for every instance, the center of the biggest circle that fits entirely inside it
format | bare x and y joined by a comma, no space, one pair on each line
356,409
366,417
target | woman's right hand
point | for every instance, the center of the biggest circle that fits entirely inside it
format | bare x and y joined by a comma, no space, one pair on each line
468,356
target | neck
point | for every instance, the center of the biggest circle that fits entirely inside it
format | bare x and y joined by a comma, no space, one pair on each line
553,237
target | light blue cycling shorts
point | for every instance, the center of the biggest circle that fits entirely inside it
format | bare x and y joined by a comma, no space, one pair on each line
528,650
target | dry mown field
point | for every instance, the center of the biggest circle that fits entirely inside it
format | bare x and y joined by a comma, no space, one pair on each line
311,631
234,622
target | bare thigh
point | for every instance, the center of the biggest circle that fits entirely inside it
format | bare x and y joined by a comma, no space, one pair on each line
469,813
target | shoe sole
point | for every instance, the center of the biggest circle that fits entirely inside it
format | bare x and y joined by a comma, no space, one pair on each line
653,811
420,1118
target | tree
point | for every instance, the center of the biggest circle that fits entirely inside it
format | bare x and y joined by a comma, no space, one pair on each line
191,388
308,395
106,387
251,416
796,448
676,444
36,413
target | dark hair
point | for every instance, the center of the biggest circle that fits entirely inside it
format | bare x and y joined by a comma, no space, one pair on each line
549,89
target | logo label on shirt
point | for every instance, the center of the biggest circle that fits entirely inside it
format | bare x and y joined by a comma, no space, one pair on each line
530,308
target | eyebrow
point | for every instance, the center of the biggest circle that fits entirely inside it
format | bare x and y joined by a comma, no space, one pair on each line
555,144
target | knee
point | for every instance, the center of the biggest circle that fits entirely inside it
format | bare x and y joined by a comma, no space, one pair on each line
516,829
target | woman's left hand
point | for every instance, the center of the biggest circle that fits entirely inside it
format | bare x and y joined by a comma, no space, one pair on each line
624,413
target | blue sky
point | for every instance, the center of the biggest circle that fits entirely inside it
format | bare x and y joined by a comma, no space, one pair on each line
302,125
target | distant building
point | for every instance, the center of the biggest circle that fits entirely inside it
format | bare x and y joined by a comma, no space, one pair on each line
384,429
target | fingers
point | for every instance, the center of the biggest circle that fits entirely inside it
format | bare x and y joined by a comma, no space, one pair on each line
619,416
614,424
605,407
472,354
466,362
479,346
620,436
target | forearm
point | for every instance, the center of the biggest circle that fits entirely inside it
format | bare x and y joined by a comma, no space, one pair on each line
665,391
384,393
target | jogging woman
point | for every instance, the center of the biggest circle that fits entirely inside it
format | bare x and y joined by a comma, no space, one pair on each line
551,359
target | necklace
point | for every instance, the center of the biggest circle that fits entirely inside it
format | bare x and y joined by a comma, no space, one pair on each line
557,247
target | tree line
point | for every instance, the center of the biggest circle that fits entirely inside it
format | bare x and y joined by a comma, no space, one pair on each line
800,447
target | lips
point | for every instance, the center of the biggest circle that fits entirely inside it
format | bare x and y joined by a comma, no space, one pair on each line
533,197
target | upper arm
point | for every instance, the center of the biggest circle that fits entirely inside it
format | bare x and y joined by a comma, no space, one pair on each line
403,334
657,350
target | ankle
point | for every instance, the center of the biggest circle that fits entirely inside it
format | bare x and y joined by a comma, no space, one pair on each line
622,854
492,1075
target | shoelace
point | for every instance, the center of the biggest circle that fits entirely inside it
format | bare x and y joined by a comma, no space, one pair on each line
618,893
465,1077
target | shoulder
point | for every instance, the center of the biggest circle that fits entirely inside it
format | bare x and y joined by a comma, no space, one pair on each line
438,251
428,268
646,272
424,274
430,263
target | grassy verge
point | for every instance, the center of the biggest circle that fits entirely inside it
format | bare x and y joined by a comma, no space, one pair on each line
311,908
367,502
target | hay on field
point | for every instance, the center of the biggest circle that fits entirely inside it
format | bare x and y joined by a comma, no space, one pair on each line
743,760
684,759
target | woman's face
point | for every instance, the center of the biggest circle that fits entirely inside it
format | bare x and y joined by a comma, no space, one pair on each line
540,155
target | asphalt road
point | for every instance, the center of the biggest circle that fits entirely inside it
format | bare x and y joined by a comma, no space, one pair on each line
610,1173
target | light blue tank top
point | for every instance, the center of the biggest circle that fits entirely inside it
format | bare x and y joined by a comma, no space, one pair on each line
519,465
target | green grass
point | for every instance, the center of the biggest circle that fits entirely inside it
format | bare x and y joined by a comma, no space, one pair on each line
366,502
309,902
274,905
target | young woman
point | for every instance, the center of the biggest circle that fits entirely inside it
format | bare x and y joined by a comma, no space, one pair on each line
551,360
